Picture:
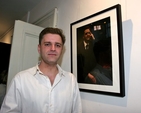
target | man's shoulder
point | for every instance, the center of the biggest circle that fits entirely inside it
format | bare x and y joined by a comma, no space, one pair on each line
65,73
80,43
28,71
69,75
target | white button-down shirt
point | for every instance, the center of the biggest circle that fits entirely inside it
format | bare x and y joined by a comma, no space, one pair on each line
31,92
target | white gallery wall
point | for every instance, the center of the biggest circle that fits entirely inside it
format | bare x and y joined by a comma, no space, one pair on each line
70,11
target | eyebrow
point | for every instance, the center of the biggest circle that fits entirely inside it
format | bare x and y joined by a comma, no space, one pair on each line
55,42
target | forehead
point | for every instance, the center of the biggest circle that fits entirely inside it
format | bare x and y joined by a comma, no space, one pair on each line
52,38
87,30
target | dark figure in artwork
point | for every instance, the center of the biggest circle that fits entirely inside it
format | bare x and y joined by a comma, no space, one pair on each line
85,56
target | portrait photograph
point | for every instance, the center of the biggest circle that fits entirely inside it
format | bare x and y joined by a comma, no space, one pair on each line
94,61
97,52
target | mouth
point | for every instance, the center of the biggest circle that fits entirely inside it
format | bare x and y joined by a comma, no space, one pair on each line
52,54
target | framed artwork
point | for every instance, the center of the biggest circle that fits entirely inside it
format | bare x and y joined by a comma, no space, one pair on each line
97,58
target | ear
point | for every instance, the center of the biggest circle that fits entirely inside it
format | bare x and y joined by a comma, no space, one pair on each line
39,48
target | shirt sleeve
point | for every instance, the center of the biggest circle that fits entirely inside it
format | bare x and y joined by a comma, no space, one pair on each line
12,101
77,106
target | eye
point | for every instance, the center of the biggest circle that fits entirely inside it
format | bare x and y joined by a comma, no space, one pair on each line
47,44
58,45
87,33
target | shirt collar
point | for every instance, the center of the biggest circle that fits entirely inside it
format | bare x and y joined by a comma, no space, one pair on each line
61,71
85,43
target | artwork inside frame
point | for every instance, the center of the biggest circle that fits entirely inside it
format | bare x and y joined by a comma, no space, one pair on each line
97,58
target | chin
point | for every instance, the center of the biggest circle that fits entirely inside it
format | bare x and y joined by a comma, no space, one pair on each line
53,62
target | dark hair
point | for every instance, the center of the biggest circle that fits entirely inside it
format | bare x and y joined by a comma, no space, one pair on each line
52,31
87,27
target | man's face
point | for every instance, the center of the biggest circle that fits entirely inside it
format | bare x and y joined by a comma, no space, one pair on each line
50,48
87,35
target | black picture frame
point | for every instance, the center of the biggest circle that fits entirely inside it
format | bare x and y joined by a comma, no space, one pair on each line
105,27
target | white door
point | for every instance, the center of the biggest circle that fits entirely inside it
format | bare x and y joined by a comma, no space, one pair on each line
24,52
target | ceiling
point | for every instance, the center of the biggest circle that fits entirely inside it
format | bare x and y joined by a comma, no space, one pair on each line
11,10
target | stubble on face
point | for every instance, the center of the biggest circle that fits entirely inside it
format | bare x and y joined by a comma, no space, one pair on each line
50,48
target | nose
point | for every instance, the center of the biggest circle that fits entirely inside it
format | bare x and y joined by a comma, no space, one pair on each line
53,47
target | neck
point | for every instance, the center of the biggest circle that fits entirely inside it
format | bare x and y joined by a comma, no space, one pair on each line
49,70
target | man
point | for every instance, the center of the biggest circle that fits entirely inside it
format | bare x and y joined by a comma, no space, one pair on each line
45,88
85,56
